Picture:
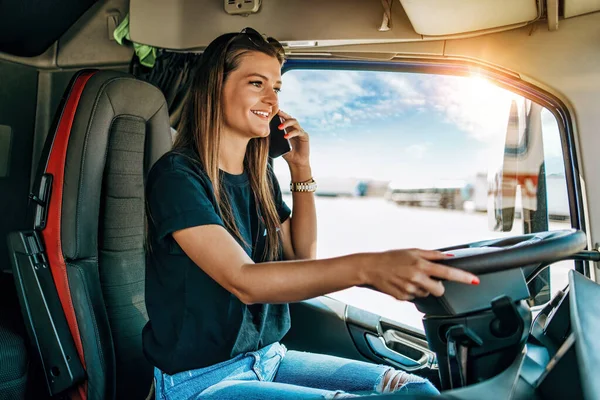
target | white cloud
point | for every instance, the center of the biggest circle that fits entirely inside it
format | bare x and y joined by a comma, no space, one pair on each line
474,105
320,93
402,89
339,98
417,151
336,99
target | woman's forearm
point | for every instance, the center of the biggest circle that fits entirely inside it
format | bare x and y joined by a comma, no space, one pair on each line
403,273
304,218
274,282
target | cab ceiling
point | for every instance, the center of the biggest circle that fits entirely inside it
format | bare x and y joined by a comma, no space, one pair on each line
29,27
67,36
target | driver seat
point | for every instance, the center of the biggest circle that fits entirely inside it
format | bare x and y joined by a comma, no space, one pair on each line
80,270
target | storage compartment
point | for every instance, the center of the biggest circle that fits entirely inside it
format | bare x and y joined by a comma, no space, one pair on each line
443,17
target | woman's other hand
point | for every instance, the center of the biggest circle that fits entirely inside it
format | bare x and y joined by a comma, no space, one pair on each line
300,154
406,274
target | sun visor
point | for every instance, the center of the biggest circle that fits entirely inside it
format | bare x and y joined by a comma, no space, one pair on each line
188,25
573,8
443,17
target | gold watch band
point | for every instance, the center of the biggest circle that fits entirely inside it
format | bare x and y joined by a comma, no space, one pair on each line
308,186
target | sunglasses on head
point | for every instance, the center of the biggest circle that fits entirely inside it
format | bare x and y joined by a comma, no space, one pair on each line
258,39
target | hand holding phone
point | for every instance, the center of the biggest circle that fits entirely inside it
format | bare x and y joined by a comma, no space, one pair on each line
278,144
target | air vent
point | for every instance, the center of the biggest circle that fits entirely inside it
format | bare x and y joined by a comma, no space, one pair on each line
241,7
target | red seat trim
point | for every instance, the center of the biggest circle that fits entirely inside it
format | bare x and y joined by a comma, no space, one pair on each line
52,232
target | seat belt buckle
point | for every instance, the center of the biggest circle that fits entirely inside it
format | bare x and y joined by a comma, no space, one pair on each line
42,202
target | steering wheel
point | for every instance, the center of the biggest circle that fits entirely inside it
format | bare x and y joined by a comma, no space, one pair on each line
495,255
516,251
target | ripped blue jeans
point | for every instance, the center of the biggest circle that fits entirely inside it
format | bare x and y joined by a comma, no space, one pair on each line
275,373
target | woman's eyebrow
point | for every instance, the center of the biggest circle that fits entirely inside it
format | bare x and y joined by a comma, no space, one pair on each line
261,76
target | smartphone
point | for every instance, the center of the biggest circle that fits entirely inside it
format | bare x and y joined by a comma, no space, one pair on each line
278,145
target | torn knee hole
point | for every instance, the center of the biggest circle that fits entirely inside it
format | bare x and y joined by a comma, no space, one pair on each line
393,380
343,395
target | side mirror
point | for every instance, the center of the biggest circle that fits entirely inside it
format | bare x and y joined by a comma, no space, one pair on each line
521,166
502,184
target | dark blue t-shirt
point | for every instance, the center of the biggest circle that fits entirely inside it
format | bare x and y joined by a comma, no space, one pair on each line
193,321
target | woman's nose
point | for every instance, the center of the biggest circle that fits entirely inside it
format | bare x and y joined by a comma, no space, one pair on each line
271,97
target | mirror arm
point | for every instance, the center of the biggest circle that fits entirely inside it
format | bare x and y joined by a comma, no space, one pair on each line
585,255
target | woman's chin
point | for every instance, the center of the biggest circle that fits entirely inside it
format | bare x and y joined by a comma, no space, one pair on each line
260,133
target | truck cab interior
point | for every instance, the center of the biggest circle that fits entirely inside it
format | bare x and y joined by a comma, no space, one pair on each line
90,97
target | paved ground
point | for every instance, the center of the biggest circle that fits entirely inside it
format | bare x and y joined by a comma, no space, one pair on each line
348,225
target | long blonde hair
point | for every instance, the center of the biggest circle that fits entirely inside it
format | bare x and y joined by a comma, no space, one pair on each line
200,129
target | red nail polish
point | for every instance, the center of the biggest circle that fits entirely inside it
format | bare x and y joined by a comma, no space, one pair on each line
450,255
280,126
475,281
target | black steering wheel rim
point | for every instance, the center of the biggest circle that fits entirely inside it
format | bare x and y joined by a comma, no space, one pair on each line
518,251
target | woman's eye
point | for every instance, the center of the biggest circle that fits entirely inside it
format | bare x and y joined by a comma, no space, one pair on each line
277,90
256,83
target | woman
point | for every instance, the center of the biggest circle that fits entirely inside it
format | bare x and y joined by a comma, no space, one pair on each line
217,287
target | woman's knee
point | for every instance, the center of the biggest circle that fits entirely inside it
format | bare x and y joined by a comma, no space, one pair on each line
395,381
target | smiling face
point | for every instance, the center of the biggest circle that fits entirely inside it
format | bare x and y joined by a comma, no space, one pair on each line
250,95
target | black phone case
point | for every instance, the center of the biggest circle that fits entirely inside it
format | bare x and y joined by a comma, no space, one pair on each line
278,145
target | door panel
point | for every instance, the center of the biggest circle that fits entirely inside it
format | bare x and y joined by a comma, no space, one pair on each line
318,325
328,326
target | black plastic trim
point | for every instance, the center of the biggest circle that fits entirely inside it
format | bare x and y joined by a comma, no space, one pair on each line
43,314
584,305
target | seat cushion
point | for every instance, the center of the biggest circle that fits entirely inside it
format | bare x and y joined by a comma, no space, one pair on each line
14,360
13,368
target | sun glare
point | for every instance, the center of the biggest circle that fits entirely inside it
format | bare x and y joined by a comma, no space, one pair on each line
486,101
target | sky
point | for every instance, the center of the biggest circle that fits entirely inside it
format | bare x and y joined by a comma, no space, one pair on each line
404,127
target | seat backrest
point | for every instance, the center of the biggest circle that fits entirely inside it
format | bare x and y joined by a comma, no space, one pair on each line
110,131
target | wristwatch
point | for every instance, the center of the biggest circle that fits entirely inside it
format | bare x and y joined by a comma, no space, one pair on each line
308,186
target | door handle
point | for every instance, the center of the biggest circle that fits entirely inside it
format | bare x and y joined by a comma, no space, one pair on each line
381,349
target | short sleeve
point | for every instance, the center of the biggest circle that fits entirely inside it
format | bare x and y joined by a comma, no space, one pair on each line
178,199
282,208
